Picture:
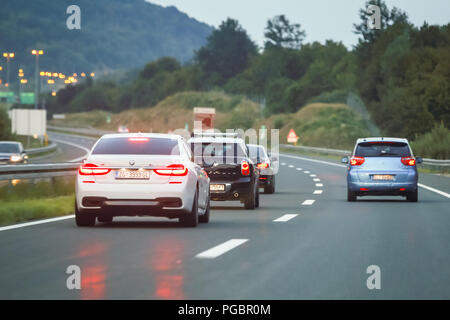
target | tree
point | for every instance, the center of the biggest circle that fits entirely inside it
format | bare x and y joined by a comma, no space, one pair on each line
281,33
227,52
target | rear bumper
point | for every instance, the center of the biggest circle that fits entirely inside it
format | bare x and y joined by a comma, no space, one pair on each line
234,190
265,180
388,188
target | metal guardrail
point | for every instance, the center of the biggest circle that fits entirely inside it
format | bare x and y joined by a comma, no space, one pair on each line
34,171
48,148
431,162
87,131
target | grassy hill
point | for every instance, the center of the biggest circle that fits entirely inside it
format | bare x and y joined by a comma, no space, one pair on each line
114,34
317,124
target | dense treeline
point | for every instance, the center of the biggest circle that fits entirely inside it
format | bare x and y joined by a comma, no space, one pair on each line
114,34
401,72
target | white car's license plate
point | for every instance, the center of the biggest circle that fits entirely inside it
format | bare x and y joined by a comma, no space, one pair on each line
217,187
383,177
133,174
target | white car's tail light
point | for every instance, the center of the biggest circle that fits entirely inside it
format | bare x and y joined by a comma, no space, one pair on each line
177,170
245,168
408,161
356,161
90,169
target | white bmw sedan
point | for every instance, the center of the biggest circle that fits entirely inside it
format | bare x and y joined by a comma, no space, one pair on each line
141,175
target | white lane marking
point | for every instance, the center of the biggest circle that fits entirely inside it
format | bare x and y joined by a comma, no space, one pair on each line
308,202
283,163
299,169
318,192
220,249
316,179
290,166
76,146
306,171
319,184
285,218
313,175
313,160
33,223
442,193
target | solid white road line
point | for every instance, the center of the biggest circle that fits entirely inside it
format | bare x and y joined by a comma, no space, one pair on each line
33,223
316,179
442,193
220,249
308,202
318,192
76,146
319,184
285,218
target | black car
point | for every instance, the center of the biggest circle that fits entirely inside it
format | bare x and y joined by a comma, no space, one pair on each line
265,166
12,152
233,175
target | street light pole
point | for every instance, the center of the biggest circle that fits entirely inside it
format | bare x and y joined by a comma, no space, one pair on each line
8,56
37,88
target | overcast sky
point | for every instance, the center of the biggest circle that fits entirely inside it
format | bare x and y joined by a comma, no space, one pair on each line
321,19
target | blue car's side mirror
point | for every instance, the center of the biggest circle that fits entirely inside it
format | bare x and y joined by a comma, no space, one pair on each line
419,160
344,160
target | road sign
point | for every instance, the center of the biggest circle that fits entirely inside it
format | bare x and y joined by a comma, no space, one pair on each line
292,137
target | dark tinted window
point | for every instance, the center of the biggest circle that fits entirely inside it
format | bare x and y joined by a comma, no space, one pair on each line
382,149
9,148
126,145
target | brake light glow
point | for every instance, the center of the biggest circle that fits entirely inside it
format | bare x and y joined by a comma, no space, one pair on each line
356,161
408,161
172,170
363,189
90,169
245,168
263,165
138,139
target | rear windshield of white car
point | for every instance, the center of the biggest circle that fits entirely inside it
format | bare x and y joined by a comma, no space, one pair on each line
382,149
137,145
258,154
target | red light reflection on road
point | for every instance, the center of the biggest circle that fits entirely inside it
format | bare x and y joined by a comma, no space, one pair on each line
93,270
167,266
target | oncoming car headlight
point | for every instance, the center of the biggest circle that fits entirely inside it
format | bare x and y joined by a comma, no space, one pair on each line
15,158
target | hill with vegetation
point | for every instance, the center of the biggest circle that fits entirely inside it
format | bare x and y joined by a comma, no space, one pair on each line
114,34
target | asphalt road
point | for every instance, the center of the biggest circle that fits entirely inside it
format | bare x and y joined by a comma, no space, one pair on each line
320,251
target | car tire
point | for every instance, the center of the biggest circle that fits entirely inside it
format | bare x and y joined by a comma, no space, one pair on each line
105,218
250,201
84,219
270,188
191,219
257,198
351,196
412,196
204,218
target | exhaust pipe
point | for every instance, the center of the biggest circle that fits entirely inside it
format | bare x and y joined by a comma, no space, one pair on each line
236,195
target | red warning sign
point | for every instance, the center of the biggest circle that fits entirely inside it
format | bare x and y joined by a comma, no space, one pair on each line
292,137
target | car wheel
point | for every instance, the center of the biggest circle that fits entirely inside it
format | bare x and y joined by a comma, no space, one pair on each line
250,202
84,219
257,198
270,188
412,196
204,218
351,196
105,218
191,219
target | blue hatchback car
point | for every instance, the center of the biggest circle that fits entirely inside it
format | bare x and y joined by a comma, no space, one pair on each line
382,166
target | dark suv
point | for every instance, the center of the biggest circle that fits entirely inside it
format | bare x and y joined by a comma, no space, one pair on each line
226,160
